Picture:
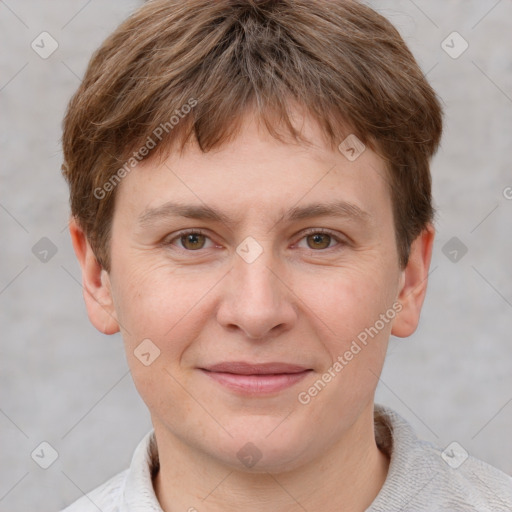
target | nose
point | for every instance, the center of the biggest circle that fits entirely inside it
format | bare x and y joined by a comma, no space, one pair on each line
256,298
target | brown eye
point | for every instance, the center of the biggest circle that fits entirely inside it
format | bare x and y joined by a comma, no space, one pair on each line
193,241
319,241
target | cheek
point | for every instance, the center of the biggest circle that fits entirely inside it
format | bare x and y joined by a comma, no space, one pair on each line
348,301
147,296
354,338
160,316
163,305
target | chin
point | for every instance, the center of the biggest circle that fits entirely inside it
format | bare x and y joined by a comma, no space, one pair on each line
255,451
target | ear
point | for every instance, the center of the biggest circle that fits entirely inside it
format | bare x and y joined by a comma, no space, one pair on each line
413,284
95,283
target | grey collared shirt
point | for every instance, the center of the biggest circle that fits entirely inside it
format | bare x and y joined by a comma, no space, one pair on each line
421,477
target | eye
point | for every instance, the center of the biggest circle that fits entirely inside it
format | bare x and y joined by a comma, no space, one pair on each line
321,239
317,240
190,240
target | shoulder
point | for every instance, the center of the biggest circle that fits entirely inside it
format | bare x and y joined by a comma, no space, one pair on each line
106,497
425,477
128,490
465,482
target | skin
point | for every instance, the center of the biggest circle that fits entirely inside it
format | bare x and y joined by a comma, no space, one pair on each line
302,301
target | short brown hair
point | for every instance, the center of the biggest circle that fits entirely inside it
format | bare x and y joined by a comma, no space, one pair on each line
341,61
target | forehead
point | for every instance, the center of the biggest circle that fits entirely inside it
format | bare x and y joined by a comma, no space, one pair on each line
256,173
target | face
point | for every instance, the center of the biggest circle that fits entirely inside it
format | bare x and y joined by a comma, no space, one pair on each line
243,281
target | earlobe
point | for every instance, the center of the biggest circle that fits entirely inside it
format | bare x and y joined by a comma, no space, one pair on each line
413,284
95,283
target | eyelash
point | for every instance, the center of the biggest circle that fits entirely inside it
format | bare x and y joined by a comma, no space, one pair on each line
310,231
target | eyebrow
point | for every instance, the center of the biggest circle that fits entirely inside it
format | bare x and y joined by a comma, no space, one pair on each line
202,212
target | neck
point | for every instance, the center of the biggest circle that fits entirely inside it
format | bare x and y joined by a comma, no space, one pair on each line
351,473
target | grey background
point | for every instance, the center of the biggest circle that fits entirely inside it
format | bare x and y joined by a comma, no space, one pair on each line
64,383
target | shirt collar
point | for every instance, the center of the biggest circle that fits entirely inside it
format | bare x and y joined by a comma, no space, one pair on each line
393,435
139,494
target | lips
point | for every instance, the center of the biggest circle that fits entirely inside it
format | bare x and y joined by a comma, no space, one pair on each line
256,379
243,368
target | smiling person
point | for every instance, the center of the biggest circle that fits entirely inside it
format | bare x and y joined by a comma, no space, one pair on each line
251,209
